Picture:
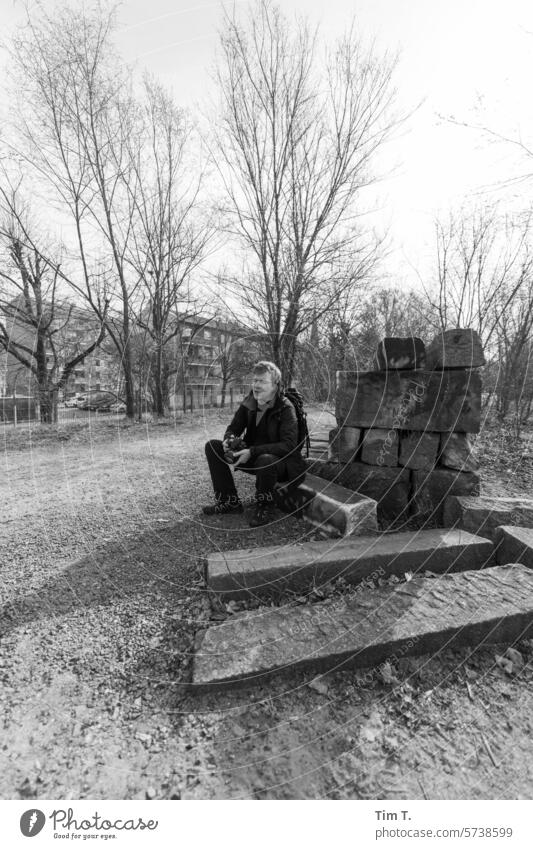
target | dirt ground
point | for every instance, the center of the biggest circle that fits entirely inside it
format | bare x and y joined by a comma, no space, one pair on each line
101,551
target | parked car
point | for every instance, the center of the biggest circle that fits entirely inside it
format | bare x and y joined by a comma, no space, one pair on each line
100,401
75,400
118,407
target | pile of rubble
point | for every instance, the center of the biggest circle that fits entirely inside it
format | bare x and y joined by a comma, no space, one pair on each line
403,429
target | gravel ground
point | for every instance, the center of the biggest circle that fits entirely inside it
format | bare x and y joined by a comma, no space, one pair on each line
102,544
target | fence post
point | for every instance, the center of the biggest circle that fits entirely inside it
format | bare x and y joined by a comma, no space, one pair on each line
15,414
231,398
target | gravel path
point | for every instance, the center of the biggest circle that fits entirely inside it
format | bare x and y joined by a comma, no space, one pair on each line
101,545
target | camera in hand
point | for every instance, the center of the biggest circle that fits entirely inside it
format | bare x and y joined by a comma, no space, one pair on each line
235,443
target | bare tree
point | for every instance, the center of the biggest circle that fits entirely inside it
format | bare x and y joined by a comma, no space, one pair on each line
74,116
294,149
484,281
172,232
234,357
352,329
483,261
513,384
33,318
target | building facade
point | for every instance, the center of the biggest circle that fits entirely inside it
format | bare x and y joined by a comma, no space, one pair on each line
72,330
215,362
208,363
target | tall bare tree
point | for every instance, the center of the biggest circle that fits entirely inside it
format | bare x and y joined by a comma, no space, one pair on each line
234,357
513,383
484,280
172,232
294,148
34,317
74,117
482,260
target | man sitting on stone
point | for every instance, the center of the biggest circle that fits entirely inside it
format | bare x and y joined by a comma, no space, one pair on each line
270,426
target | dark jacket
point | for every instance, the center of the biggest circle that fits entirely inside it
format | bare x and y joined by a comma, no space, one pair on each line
281,425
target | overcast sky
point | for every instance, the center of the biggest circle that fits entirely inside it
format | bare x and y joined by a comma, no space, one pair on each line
471,59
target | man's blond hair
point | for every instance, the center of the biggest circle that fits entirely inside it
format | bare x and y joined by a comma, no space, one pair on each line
266,366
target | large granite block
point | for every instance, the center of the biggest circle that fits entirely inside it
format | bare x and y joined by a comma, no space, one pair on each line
430,490
333,445
258,572
456,452
345,444
483,515
422,616
418,450
380,447
331,507
395,352
390,487
416,400
514,545
455,349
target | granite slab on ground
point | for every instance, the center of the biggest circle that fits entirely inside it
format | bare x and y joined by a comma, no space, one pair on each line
271,571
366,628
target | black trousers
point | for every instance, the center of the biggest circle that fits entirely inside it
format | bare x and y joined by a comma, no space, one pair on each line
267,468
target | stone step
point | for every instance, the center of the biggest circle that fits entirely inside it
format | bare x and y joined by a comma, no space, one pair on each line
332,508
423,615
484,514
514,545
260,572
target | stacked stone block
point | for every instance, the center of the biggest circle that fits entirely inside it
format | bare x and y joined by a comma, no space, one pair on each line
403,429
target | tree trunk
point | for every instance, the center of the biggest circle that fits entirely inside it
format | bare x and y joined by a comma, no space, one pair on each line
165,388
158,394
287,355
129,386
46,394
48,406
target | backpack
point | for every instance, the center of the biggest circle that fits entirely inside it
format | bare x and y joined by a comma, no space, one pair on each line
297,402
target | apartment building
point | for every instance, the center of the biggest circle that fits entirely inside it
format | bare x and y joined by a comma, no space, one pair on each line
99,370
208,361
75,329
214,356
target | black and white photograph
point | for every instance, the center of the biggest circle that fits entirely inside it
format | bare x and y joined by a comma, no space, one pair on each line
266,411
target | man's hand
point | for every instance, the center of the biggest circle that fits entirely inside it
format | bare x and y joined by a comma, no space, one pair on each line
241,456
